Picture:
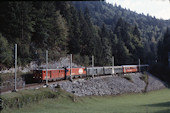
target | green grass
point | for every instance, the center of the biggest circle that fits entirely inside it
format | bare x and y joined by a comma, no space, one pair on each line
153,102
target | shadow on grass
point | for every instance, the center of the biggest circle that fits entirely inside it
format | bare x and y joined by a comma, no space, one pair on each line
163,111
164,104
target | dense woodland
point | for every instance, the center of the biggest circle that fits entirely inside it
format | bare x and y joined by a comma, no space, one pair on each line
82,29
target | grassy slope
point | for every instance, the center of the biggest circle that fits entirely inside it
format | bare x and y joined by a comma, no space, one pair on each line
153,102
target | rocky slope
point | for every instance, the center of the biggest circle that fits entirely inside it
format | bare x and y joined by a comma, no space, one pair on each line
112,85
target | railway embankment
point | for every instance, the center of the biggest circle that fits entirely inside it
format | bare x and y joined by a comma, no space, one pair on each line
99,86
113,85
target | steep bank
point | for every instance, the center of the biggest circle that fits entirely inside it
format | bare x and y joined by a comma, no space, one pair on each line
113,85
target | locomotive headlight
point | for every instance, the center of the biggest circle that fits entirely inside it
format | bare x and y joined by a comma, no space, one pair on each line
33,77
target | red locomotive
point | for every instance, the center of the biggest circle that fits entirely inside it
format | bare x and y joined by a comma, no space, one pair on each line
57,74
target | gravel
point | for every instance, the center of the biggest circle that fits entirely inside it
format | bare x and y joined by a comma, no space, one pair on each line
154,83
111,85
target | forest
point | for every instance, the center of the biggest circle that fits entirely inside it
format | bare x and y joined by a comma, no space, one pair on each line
83,29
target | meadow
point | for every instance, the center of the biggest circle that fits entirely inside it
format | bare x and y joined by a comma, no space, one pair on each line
152,102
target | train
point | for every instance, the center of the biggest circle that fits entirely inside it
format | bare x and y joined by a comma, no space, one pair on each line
74,72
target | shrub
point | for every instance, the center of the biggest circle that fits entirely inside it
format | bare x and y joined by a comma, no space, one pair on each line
144,78
127,77
21,98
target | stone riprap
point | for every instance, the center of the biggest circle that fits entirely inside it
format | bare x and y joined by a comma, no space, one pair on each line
111,85
154,83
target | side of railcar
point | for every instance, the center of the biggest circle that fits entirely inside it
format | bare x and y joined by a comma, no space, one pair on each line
94,71
56,74
130,68
76,72
118,69
108,70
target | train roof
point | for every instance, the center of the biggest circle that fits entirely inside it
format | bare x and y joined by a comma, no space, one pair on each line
43,69
134,65
48,69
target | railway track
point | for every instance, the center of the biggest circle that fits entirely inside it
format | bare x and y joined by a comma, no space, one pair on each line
31,86
38,85
27,86
43,84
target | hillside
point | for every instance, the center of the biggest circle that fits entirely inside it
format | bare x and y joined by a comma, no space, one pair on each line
151,29
80,28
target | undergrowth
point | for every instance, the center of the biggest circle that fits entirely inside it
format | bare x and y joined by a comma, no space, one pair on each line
21,98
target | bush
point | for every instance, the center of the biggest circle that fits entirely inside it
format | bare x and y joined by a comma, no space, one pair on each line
144,77
82,60
127,77
5,53
21,98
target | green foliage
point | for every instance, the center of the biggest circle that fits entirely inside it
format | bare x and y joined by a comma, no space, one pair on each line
106,46
5,52
102,30
144,30
161,69
129,46
164,48
129,78
17,27
81,60
144,78
25,97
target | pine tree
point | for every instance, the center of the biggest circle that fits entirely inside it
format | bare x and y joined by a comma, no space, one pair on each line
17,27
74,33
106,46
166,47
5,52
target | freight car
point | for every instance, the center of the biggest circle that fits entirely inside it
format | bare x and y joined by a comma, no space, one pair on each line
64,73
